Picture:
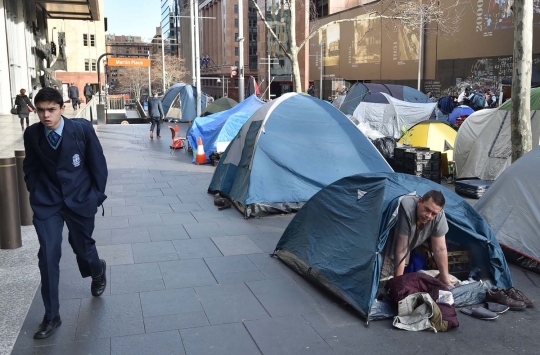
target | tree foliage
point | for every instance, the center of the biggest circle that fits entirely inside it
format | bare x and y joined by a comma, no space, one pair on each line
175,72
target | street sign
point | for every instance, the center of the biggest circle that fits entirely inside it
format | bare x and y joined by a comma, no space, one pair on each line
128,62
234,72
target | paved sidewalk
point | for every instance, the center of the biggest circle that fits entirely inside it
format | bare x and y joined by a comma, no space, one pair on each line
185,278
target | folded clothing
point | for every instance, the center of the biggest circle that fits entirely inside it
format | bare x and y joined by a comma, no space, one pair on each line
402,286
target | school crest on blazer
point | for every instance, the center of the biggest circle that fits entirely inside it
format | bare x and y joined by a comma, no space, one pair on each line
76,160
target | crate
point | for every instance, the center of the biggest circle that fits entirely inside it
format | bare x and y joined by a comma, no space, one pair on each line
459,262
433,176
399,152
413,166
422,155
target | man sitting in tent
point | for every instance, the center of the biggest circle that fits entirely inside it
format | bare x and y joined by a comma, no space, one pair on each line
419,218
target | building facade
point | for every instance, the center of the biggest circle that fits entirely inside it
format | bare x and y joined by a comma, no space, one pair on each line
79,46
119,45
170,10
28,56
478,53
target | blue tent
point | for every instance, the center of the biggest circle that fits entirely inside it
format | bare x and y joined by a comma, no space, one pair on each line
288,150
179,103
337,238
458,111
359,91
222,126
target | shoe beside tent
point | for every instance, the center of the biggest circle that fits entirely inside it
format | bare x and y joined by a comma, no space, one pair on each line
490,151
511,206
219,105
435,135
287,151
386,115
359,91
180,103
337,238
219,129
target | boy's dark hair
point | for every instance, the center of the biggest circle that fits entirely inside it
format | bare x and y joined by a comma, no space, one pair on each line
436,196
48,95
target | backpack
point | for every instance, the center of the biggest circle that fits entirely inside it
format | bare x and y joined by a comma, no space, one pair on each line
80,135
478,102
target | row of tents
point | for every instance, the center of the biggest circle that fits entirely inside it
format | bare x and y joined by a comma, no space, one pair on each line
297,153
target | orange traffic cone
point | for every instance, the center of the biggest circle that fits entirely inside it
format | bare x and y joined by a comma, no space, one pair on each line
201,156
176,128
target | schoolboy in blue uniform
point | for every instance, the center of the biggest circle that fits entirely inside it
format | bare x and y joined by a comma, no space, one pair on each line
66,173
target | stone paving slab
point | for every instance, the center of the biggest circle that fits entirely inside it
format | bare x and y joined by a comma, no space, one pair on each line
185,278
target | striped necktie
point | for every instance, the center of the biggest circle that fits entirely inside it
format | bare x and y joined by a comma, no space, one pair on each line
53,138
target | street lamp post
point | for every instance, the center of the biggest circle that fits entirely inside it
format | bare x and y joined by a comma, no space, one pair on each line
197,58
149,79
163,59
241,51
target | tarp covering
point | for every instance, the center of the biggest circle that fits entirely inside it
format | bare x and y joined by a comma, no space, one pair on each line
490,151
359,91
435,135
511,206
387,115
287,151
219,105
179,102
458,112
337,238
223,126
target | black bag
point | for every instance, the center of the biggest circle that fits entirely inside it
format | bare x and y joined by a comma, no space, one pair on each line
14,110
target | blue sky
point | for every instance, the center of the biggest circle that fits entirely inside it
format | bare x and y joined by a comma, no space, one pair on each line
133,17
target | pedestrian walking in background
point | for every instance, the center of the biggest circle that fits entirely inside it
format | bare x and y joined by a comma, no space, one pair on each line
311,90
88,92
65,172
73,94
24,105
155,112
34,92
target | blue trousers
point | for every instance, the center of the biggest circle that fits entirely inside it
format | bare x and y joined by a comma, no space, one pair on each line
49,233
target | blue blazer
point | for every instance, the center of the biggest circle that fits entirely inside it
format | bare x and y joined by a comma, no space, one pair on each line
76,180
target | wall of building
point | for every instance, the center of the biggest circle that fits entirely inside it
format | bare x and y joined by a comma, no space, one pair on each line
478,53
80,59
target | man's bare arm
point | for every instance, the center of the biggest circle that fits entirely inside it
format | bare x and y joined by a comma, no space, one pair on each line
440,254
400,250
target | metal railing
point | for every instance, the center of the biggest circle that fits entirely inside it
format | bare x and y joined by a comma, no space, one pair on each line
115,103
89,111
140,109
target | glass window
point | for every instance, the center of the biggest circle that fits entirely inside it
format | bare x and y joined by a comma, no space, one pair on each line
235,22
92,40
85,39
235,9
94,68
236,51
86,65
236,36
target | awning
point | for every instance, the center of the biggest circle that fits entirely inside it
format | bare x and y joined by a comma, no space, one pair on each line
71,9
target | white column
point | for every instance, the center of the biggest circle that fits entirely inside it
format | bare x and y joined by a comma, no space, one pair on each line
241,50
197,57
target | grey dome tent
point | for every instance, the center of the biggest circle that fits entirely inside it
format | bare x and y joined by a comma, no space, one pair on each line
288,150
511,206
359,91
337,238
179,103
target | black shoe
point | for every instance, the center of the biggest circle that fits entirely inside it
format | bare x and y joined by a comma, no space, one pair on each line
100,282
47,327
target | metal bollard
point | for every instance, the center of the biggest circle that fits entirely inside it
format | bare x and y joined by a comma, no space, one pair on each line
10,226
101,117
25,209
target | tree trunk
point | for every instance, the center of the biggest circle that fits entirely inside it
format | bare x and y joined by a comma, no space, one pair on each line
297,78
521,78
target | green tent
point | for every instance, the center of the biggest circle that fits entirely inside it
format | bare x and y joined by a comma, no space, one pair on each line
535,101
219,105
